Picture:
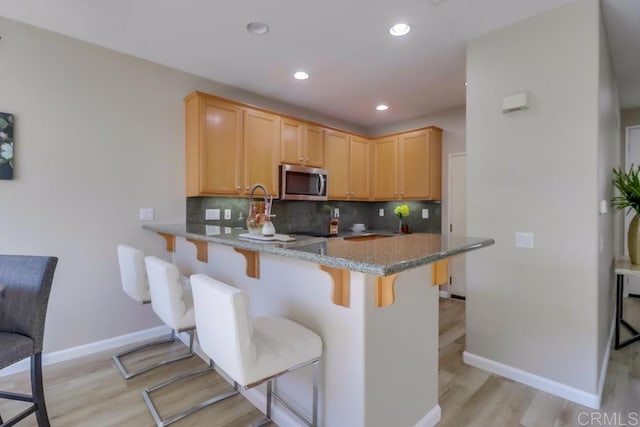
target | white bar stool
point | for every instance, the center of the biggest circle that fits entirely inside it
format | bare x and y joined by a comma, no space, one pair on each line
133,275
172,301
252,351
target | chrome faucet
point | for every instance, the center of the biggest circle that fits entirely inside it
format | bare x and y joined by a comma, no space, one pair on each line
253,189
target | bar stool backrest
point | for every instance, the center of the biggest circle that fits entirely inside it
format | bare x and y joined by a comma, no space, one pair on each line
225,330
23,307
168,298
133,274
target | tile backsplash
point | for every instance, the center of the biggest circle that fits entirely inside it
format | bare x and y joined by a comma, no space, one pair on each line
294,216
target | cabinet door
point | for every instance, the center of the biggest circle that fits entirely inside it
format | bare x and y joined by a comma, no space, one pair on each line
214,147
291,143
314,148
337,164
415,160
261,150
359,169
385,168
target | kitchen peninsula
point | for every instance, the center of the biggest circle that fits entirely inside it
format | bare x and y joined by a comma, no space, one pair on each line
371,301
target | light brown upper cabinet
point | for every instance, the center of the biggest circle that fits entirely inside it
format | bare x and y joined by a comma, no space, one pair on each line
359,168
213,146
347,165
385,168
411,160
301,143
231,146
261,150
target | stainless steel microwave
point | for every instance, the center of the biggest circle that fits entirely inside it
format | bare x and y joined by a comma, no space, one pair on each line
302,183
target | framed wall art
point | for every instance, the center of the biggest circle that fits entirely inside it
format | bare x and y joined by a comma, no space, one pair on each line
6,146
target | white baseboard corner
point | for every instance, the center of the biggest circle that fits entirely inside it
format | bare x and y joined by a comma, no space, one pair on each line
573,394
445,294
431,419
88,349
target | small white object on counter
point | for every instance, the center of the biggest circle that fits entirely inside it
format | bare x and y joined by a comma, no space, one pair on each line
268,229
275,237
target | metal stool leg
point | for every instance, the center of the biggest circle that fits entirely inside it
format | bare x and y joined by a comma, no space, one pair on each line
117,358
160,422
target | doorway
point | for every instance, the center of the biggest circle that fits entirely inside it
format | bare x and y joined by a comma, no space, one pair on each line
458,221
631,157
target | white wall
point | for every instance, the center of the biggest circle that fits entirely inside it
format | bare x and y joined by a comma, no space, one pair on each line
539,310
608,157
98,136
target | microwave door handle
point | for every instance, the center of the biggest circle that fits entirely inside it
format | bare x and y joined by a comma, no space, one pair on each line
321,185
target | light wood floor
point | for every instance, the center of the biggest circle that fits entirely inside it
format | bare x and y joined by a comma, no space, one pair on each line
90,391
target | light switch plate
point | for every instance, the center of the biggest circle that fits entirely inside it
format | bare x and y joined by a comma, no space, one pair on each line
381,212
146,214
524,240
425,213
212,214
336,212
227,214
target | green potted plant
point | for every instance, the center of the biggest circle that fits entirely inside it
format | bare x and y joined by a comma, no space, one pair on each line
628,185
402,211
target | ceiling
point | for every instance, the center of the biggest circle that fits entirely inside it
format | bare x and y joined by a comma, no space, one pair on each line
343,44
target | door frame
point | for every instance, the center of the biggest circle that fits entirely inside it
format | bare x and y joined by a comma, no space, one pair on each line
449,204
625,247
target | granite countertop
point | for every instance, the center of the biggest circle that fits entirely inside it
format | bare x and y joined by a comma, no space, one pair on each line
379,257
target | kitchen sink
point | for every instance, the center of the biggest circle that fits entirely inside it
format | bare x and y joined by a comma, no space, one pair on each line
363,237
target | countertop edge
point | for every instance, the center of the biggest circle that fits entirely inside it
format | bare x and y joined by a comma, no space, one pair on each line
276,248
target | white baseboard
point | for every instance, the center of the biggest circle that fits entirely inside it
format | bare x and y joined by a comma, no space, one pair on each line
444,294
605,360
431,419
87,349
573,394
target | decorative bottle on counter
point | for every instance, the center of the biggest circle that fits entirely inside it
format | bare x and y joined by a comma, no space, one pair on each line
333,225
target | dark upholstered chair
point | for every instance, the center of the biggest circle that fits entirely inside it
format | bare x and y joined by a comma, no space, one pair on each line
23,307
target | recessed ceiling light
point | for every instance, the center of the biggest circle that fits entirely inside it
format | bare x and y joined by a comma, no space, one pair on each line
399,29
257,28
300,75
382,107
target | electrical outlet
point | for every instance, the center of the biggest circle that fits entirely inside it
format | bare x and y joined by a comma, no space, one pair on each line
212,214
146,214
227,230
381,212
425,213
524,240
336,212
227,214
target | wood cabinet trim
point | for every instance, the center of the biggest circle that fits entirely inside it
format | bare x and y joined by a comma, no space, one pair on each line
385,291
253,262
170,241
340,292
202,249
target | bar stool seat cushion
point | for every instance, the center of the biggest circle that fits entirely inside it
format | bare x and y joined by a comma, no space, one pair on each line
13,348
279,345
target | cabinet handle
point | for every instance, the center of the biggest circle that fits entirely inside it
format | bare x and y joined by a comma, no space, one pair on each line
300,159
402,194
246,188
238,187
